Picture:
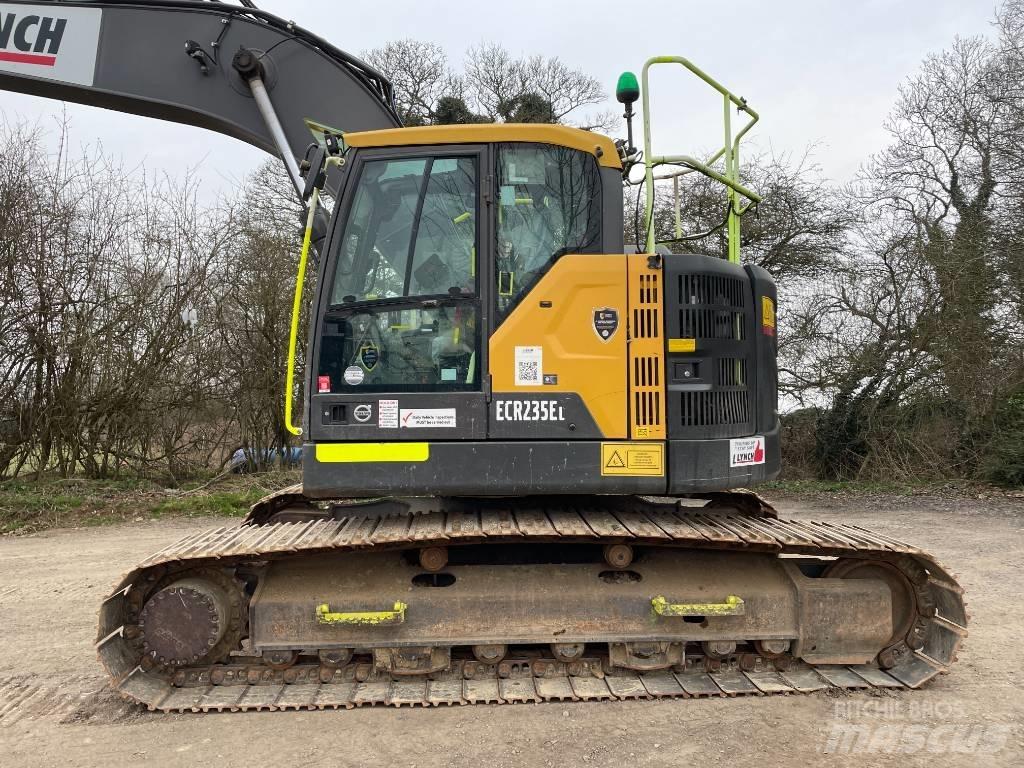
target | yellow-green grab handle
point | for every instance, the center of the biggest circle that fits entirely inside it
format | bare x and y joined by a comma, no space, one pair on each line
733,606
324,615
300,279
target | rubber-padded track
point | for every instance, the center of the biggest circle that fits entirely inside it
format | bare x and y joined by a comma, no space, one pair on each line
943,606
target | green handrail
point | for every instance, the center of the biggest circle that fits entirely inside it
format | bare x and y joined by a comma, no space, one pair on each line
730,151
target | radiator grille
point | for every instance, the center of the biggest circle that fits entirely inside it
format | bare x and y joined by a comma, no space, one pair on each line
646,351
732,372
711,307
646,372
709,409
712,289
711,394
647,391
646,317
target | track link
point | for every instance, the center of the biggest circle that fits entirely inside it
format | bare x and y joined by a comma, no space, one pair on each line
940,628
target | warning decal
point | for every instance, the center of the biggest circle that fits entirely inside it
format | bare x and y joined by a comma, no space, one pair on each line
632,460
420,418
767,316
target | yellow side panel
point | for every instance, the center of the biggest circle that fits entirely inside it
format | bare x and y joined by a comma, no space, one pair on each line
646,350
570,347
356,453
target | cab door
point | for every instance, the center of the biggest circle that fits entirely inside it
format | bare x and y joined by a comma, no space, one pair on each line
398,352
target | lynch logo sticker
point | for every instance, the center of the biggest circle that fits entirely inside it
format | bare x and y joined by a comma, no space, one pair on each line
52,41
746,451
606,322
528,410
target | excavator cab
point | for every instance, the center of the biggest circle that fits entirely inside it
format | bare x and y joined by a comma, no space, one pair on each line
482,331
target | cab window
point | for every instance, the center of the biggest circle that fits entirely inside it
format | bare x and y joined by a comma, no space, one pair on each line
411,231
549,204
401,349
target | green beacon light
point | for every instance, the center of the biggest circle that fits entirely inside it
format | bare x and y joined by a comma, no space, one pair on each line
627,91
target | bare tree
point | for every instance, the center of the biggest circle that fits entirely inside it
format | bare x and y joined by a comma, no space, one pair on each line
566,90
495,86
254,311
795,232
420,75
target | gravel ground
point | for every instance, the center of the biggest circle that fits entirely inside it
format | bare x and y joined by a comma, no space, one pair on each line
55,710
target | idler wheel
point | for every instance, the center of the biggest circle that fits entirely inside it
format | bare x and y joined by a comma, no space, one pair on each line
904,600
183,622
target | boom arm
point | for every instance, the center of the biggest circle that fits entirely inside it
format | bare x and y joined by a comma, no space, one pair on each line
193,62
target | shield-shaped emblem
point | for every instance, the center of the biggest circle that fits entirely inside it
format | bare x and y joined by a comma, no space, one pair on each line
369,356
606,322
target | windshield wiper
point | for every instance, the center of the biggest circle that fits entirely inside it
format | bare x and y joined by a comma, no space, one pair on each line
426,301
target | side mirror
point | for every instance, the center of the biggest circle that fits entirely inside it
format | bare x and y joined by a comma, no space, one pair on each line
316,173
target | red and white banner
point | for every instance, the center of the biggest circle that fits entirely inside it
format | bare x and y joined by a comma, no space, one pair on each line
51,41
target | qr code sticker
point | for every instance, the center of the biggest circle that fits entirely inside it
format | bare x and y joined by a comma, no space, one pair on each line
529,372
529,366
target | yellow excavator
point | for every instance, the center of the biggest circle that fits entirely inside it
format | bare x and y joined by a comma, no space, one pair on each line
521,439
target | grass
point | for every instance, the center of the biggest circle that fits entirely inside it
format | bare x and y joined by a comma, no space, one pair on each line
27,506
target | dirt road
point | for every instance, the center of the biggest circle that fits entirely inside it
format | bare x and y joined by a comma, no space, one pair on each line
55,711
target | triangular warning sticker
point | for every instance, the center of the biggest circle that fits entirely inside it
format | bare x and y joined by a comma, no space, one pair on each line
615,460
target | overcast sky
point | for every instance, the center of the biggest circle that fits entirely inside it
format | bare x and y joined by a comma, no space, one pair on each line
821,72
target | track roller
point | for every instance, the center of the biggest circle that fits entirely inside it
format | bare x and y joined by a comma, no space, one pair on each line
280,659
336,657
718,649
490,654
771,648
567,651
433,559
618,555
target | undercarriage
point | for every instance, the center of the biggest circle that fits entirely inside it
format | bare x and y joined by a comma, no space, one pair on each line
454,601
